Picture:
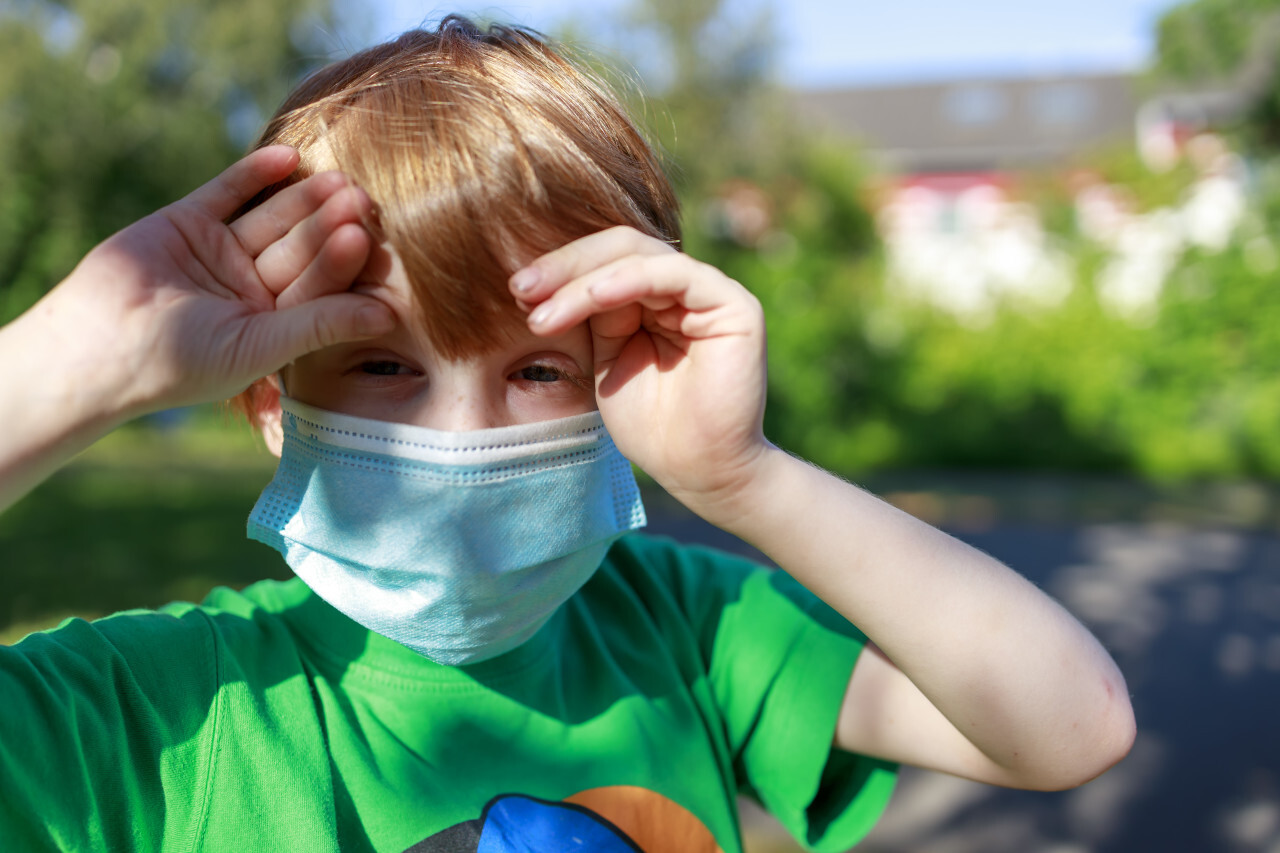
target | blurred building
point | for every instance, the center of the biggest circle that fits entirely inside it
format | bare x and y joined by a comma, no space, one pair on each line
956,233
978,125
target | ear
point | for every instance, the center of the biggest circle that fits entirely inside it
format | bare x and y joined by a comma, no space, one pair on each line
267,414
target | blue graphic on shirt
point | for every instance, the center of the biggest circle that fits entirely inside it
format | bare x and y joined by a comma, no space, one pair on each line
518,824
515,823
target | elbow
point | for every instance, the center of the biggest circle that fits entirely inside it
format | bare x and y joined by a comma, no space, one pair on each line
1096,745
1114,739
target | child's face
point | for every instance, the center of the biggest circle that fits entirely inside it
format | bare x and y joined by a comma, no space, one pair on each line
400,377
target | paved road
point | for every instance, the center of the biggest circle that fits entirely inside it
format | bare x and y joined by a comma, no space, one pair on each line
1192,614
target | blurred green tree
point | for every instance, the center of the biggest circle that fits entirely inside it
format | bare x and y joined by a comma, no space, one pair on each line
771,203
860,377
110,109
1227,45
711,65
1208,40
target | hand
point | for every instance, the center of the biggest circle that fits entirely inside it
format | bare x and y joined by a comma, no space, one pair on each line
679,358
181,308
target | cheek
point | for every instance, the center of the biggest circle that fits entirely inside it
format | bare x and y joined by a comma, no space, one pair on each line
303,382
529,405
313,383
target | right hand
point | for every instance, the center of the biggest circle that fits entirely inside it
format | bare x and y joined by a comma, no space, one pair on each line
679,351
181,308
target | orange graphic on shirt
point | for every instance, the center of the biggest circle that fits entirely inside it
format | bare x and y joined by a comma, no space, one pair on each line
616,818
654,823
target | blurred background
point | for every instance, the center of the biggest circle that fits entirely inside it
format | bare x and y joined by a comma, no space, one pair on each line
1021,269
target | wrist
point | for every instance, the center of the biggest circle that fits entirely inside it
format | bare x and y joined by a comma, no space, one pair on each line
738,496
78,389
51,413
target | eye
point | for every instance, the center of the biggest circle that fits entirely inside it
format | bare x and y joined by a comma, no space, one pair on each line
540,373
383,368
548,373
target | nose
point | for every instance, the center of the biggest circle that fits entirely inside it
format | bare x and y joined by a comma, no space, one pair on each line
460,400
458,414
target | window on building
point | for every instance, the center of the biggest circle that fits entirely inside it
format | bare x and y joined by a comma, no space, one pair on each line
974,105
1061,105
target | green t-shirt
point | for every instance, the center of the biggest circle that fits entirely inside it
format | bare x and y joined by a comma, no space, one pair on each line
676,679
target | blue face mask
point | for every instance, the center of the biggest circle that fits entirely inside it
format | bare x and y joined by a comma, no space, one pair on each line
459,545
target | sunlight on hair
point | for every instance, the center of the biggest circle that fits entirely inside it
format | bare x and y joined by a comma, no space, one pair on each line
482,149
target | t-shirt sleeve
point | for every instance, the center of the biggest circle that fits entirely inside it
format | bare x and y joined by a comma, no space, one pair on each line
779,661
95,716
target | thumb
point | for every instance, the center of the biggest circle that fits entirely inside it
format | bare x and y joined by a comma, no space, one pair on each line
322,322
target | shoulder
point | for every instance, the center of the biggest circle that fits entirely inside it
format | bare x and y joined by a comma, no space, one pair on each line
658,573
181,645
700,579
263,628
645,561
148,696
716,600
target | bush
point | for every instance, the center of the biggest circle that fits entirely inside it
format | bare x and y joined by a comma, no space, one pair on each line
863,378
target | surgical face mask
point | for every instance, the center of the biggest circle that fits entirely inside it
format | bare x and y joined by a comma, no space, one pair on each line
459,545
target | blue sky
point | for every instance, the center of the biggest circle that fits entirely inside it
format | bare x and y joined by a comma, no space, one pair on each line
827,42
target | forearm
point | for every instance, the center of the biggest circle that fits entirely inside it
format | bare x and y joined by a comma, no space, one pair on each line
54,398
1009,668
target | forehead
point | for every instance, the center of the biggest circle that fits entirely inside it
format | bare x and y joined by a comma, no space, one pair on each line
463,200
460,328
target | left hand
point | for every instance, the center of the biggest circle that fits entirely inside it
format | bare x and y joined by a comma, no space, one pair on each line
981,674
679,358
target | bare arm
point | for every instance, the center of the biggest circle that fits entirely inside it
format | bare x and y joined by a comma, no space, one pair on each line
181,308
976,673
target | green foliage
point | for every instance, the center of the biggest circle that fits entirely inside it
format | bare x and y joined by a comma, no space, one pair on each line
1121,166
1194,394
815,272
706,78
1209,40
863,379
112,108
146,516
1227,44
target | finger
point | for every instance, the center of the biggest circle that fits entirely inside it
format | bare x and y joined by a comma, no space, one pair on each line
333,268
287,259
242,180
546,274
283,335
656,282
275,218
613,328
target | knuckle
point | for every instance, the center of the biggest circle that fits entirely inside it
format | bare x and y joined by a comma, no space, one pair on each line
324,330
641,241
323,184
337,207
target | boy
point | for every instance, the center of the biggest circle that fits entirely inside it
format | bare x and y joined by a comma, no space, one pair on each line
479,659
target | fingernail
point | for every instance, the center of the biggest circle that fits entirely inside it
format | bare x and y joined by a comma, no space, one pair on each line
542,314
525,279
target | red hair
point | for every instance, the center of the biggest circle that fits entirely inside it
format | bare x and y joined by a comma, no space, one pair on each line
481,149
